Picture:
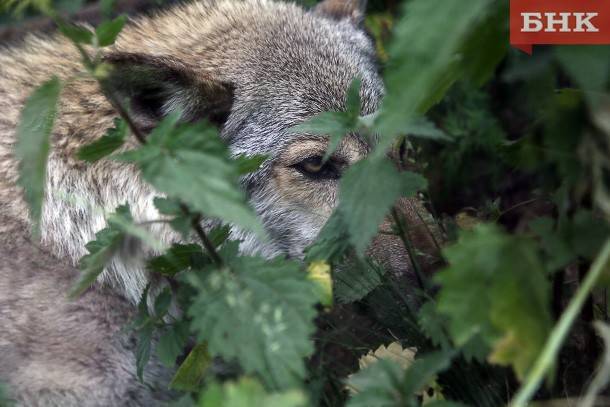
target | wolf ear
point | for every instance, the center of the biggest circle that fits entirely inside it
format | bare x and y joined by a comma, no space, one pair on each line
153,87
342,9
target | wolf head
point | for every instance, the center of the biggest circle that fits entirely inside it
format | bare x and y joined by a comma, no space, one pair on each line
255,68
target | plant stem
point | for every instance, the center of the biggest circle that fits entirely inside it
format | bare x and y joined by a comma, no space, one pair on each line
122,111
207,243
399,221
560,332
205,240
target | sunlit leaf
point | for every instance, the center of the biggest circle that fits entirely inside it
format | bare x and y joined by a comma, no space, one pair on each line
249,392
269,302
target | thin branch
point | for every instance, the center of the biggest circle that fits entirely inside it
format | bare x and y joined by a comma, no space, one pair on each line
421,281
207,243
122,111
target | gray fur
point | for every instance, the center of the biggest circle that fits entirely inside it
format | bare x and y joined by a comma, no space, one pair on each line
271,65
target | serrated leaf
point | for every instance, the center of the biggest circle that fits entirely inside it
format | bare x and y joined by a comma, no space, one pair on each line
378,385
495,286
172,342
367,191
269,302
77,33
190,163
390,377
32,146
428,57
433,324
102,249
355,279
108,31
162,302
107,144
249,392
191,372
424,370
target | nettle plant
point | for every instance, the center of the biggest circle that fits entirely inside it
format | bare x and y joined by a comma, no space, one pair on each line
248,326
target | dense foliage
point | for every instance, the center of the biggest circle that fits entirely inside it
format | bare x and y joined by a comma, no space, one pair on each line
511,153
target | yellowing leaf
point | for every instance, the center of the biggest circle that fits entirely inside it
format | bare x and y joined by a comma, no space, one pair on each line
319,272
394,351
496,287
190,373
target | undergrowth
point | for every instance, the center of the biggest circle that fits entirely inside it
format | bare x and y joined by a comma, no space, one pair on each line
510,154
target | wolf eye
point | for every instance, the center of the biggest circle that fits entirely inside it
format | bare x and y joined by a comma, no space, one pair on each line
315,168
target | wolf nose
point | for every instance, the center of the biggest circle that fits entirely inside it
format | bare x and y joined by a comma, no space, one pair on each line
408,241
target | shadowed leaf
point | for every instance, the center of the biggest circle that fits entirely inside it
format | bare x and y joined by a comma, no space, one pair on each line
32,148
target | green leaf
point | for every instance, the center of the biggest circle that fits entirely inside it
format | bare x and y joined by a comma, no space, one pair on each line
386,383
108,31
557,249
190,163
172,342
335,125
182,221
249,392
248,164
367,191
356,278
332,241
144,325
378,385
178,258
143,348
32,147
102,249
269,302
162,302
110,142
587,233
587,65
433,324
425,129
191,372
77,33
429,58
423,371
495,286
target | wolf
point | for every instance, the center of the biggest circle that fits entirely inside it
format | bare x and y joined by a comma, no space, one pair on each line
255,68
